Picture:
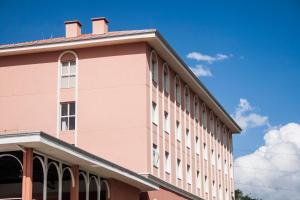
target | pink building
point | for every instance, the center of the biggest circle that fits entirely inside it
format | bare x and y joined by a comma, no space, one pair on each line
109,115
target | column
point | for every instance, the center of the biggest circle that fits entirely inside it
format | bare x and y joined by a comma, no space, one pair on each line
75,189
27,174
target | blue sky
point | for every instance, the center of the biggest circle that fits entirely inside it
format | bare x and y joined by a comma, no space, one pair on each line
261,37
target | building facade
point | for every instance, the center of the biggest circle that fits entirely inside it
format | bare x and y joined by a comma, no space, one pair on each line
124,97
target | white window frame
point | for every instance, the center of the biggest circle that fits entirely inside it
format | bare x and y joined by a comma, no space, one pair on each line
166,122
155,155
167,162
154,66
166,78
206,187
198,179
178,131
187,100
69,75
220,192
197,145
219,162
68,116
154,113
214,193
178,169
205,151
177,90
225,166
204,117
196,113
188,138
189,174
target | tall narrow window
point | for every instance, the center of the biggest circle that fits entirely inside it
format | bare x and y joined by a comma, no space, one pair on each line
214,189
220,192
154,113
166,79
197,145
204,118
154,66
206,184
198,179
166,122
155,156
187,100
189,174
188,139
205,151
68,74
178,169
167,162
196,111
225,167
212,125
67,116
219,162
177,90
213,159
178,131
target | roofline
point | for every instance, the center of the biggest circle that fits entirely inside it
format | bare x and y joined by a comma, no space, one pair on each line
198,80
116,39
75,151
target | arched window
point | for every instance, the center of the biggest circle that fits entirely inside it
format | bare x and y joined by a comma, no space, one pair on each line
154,66
82,186
52,180
68,69
105,192
204,117
196,109
67,182
38,177
11,175
166,78
177,90
93,190
187,99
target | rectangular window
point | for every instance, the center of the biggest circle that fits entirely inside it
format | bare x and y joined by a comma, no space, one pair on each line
206,184
213,159
167,162
188,139
154,113
189,174
178,131
220,192
67,116
197,145
225,167
219,162
205,151
155,156
198,179
166,122
214,189
178,169
68,74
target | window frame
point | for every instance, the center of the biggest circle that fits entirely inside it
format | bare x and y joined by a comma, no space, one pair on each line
69,75
166,122
154,113
167,162
177,89
178,131
166,78
68,116
187,99
155,154
179,169
154,67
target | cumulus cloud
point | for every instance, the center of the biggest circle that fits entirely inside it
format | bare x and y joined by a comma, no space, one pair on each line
201,70
273,170
207,58
246,117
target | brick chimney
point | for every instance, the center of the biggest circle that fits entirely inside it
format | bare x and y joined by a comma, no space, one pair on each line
73,28
100,25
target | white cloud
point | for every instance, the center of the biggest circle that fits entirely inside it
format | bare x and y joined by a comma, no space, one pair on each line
273,170
207,58
246,118
201,70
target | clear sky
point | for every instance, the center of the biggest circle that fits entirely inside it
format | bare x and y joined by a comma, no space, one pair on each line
245,52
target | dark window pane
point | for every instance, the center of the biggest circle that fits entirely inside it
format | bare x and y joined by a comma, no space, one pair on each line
72,123
72,108
64,109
